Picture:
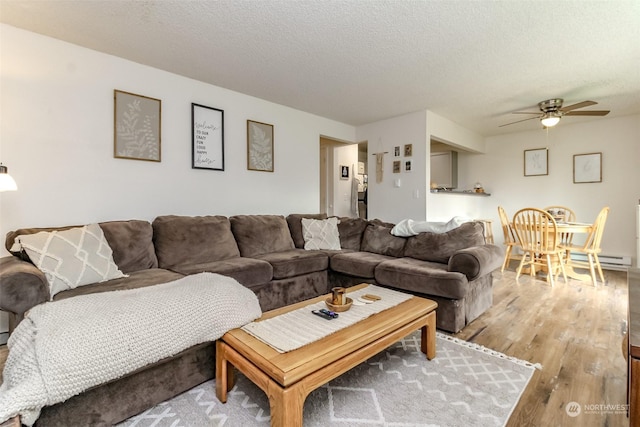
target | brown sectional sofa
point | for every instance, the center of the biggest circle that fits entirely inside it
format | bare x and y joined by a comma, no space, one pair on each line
264,253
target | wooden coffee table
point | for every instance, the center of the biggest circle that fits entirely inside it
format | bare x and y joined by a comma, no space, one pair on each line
287,378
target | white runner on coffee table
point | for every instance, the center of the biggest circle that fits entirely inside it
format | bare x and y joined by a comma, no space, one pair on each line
300,327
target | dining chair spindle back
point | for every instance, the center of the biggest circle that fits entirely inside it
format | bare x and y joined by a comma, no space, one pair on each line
537,233
510,239
591,248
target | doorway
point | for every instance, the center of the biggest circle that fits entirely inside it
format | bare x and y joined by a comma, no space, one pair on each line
329,177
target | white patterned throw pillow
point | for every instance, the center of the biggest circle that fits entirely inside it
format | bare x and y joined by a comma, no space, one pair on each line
321,233
71,258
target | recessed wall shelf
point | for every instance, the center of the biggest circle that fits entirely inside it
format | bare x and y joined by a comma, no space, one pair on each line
463,193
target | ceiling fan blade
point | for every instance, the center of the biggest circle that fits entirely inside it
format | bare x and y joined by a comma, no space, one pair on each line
578,105
588,113
526,112
523,120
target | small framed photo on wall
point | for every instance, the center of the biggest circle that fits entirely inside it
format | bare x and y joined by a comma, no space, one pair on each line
408,150
536,162
407,166
396,166
587,168
396,151
344,172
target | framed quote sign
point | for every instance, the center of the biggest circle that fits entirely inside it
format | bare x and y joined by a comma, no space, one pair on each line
207,151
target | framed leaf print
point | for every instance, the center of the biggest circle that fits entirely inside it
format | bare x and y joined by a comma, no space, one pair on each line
259,146
136,127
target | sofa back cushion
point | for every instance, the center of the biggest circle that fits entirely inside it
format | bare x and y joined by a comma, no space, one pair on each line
71,258
187,240
130,241
438,247
261,234
351,231
132,244
379,240
294,221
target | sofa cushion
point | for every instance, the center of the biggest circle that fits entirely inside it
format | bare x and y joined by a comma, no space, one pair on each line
261,234
359,264
321,234
351,231
71,258
438,247
250,272
185,240
295,262
136,279
295,226
422,277
379,240
476,261
132,244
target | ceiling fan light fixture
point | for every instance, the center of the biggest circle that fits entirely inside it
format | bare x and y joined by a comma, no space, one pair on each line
549,120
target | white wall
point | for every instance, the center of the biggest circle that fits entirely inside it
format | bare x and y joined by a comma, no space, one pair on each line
386,201
501,171
442,206
56,137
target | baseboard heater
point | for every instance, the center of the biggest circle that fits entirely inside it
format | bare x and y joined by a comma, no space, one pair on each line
609,262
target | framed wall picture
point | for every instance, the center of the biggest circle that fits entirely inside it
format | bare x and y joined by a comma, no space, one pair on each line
396,166
344,172
396,151
407,166
587,168
536,162
259,146
136,123
207,138
408,150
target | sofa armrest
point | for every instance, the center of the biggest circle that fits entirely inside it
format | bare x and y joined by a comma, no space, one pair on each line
22,286
476,261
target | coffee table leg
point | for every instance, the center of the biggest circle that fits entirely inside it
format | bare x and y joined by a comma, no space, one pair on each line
286,405
428,336
225,378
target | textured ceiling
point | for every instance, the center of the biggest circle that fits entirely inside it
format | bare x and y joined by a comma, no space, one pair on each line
473,62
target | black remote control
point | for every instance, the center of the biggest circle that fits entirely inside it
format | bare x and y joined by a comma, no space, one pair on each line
322,314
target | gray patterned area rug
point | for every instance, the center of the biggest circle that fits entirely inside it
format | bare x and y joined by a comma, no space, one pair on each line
465,385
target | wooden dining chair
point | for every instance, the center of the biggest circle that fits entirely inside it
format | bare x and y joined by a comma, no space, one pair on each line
565,214
561,213
510,239
591,248
537,233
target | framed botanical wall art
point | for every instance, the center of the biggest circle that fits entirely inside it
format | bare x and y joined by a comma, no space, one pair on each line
536,162
136,125
408,150
587,168
259,146
207,138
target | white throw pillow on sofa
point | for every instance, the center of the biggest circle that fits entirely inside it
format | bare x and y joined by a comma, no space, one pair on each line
321,233
71,258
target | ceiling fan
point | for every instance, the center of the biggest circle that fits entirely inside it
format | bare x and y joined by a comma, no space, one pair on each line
551,111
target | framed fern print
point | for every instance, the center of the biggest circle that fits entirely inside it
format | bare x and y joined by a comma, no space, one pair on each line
136,127
259,146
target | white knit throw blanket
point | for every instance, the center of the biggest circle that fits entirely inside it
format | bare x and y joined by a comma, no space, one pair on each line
64,347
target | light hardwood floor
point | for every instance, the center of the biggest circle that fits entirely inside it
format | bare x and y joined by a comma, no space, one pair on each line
573,330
